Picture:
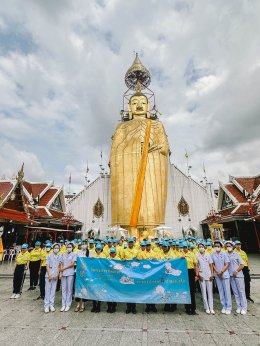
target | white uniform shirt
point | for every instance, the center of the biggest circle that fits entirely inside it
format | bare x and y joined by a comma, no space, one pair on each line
219,260
204,262
53,262
67,259
235,261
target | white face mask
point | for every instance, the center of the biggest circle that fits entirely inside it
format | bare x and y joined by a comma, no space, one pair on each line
218,249
48,249
69,249
229,248
84,247
209,247
56,250
201,250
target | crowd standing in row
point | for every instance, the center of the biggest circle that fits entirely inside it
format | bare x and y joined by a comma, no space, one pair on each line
225,264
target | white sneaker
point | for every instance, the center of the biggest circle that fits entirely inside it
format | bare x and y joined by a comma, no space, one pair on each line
62,309
52,308
238,311
223,311
17,296
207,312
13,296
212,312
46,310
67,308
228,312
243,312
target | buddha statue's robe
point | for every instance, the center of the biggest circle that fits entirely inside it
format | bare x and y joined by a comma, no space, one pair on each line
125,157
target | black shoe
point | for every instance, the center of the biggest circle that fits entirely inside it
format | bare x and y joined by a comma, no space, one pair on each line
33,288
147,309
193,313
250,299
173,308
38,298
166,307
127,311
134,311
188,312
30,288
93,310
154,309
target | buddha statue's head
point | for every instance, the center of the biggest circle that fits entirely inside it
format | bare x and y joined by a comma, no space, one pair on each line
138,105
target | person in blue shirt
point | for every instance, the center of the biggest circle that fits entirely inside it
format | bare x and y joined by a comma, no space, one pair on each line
220,266
235,269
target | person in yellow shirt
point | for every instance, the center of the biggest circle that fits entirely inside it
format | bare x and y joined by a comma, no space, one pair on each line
99,252
245,270
111,306
209,249
91,247
149,253
166,253
44,254
108,247
193,274
35,262
141,255
22,261
130,253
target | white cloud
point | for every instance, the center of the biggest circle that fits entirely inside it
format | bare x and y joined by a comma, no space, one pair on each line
60,98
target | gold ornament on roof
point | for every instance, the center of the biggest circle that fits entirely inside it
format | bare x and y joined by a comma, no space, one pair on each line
98,209
137,73
183,207
20,174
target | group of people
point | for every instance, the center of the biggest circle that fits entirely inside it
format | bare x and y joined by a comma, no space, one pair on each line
209,263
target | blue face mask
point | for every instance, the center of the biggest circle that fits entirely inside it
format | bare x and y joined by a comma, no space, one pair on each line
56,250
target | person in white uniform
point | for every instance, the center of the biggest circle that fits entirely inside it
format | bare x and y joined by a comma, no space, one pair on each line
205,275
220,266
51,278
68,260
237,278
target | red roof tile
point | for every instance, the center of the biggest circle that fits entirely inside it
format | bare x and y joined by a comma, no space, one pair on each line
5,188
226,212
249,184
34,189
56,214
236,193
47,197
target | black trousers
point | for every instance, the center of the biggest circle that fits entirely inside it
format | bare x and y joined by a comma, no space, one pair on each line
34,273
42,281
111,306
247,280
131,306
191,307
18,278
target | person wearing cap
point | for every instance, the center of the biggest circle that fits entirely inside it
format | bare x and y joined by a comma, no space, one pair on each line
68,260
221,262
192,274
46,251
91,247
209,249
246,270
111,306
166,252
235,269
35,262
53,263
108,247
142,251
84,252
205,275
99,252
130,253
22,261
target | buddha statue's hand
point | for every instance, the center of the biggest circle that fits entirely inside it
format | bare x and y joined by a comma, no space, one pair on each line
161,148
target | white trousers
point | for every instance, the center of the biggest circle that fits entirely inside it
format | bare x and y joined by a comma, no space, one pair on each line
207,294
67,288
238,287
50,292
224,292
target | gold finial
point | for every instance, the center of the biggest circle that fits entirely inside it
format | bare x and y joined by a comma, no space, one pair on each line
138,87
20,174
137,73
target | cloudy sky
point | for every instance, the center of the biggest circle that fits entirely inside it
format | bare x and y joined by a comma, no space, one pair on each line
62,66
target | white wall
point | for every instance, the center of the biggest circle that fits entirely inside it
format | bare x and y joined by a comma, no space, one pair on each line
179,184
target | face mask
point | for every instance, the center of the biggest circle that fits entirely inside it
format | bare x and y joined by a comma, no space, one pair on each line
56,250
229,248
209,247
69,249
84,247
201,250
218,249
48,249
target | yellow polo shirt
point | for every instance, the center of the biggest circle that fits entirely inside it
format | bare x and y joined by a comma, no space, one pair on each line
22,258
35,255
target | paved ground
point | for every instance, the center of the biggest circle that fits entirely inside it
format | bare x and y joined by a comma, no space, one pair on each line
23,322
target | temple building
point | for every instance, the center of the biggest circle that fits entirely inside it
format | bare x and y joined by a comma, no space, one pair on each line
33,210
239,211
188,202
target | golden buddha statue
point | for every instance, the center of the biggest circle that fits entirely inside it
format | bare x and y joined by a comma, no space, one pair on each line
139,168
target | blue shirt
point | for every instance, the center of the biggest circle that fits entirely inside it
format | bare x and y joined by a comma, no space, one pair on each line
53,261
66,260
235,261
219,260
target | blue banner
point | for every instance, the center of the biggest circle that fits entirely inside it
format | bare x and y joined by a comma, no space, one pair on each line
151,282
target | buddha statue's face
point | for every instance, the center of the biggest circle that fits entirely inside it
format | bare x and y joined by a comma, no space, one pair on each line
139,106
